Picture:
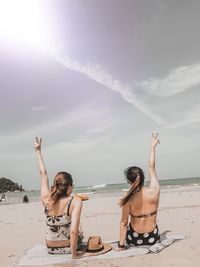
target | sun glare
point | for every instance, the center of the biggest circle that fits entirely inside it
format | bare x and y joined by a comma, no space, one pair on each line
24,21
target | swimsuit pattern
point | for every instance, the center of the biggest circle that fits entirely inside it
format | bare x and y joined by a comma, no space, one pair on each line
64,250
58,228
137,239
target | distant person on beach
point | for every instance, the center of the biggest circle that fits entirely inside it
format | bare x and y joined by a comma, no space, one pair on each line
25,199
3,197
62,210
140,204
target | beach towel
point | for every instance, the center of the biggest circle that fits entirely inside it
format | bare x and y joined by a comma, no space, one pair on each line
37,255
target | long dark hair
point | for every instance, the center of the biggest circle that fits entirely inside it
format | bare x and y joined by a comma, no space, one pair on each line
135,176
60,185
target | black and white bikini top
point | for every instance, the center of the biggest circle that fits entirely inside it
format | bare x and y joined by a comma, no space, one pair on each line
58,226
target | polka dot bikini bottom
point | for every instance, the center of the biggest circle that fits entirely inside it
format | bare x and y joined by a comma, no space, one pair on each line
136,239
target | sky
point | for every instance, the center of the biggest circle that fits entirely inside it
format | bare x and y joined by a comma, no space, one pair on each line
94,79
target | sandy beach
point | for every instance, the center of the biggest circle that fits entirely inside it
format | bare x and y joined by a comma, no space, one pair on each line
23,225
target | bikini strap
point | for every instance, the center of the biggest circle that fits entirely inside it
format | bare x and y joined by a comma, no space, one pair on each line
66,211
144,215
46,207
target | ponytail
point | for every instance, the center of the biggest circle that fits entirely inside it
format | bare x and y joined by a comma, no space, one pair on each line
135,176
130,193
60,186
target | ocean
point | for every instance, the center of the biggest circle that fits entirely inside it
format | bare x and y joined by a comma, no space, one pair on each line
34,195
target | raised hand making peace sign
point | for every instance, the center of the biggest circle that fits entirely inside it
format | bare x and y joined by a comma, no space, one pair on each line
38,144
155,140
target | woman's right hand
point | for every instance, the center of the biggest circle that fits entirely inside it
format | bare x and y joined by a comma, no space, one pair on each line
38,144
78,255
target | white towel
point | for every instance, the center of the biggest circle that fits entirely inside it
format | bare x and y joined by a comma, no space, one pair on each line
37,255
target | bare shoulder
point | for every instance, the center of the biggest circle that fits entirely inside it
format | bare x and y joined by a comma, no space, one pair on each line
77,201
127,206
153,191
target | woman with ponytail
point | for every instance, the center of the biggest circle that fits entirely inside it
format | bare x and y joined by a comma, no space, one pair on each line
140,204
62,210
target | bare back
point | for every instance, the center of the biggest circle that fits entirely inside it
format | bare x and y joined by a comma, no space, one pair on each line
144,202
59,207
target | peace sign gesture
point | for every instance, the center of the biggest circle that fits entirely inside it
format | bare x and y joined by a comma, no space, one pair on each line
38,144
155,140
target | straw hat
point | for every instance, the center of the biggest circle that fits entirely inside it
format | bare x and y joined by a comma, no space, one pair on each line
95,246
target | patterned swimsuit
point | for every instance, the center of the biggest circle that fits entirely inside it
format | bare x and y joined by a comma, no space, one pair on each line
58,229
136,239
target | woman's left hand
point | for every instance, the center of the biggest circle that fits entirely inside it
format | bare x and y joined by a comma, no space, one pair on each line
155,140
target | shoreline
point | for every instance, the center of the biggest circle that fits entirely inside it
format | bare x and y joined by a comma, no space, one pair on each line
116,192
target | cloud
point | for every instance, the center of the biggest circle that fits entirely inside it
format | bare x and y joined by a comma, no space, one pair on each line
80,144
96,73
192,117
177,81
79,126
38,108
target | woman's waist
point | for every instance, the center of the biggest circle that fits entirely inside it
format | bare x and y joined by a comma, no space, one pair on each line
57,243
143,225
57,233
57,236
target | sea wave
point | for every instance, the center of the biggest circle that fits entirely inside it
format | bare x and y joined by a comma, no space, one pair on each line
99,186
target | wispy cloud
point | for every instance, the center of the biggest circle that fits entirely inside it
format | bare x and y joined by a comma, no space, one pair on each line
191,117
80,144
96,73
38,108
91,127
177,81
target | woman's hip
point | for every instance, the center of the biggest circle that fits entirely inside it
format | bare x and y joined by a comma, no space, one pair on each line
134,238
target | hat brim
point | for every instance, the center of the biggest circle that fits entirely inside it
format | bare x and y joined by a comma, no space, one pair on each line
107,247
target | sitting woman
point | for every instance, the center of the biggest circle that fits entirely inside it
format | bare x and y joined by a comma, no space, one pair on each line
62,210
141,204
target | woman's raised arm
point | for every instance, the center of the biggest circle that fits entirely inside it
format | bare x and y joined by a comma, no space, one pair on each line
42,169
154,183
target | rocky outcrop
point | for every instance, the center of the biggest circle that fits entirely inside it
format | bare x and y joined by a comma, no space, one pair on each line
8,185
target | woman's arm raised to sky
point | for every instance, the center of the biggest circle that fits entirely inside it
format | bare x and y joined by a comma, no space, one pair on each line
42,169
154,183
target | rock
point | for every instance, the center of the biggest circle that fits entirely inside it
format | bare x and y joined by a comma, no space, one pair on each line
8,185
